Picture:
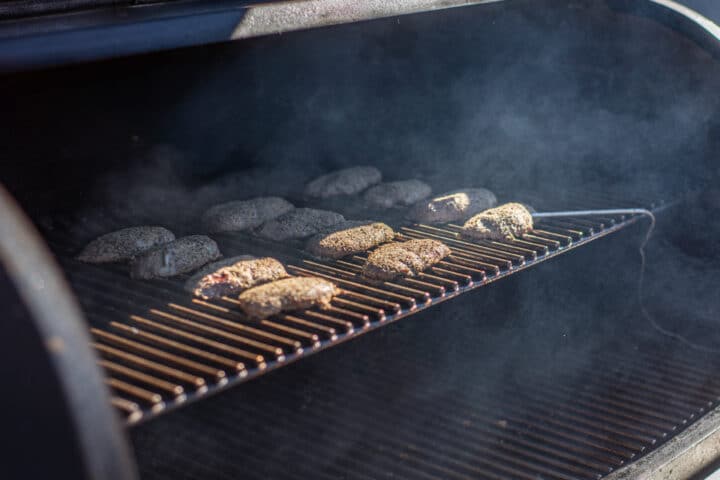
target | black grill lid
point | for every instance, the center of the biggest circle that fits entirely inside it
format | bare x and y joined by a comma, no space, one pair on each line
41,33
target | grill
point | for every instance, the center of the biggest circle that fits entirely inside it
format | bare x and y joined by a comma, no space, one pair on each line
597,362
162,348
555,422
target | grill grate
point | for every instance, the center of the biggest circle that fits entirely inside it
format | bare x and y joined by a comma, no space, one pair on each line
578,415
161,348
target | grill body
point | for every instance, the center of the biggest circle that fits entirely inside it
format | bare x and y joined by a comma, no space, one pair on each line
54,397
550,373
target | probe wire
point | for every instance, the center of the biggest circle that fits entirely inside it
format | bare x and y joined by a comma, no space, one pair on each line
641,280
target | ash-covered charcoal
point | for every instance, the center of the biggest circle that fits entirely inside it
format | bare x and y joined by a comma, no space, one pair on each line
347,181
506,222
231,276
393,194
300,223
181,256
349,237
293,293
453,206
404,259
244,214
124,244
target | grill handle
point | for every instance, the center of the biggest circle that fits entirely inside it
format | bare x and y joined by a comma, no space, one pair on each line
608,211
588,213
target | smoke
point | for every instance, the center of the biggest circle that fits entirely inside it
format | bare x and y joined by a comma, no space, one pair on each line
522,105
535,99
154,191
682,290
561,100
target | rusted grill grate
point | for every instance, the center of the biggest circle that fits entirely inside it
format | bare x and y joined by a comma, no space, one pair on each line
162,348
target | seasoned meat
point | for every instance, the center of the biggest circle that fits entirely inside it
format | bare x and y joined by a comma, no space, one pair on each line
293,293
244,214
453,206
505,222
343,182
404,259
300,223
181,256
349,237
124,244
233,275
393,194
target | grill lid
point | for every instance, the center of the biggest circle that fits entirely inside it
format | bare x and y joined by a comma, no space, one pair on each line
39,34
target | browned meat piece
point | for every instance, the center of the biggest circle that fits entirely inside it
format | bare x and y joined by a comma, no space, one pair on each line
343,182
404,259
181,256
293,293
506,222
453,206
244,214
349,237
300,223
401,193
233,275
124,244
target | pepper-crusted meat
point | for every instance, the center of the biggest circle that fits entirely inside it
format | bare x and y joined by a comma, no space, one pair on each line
300,223
452,206
244,214
506,222
349,237
180,256
294,293
404,259
347,181
231,276
400,193
124,244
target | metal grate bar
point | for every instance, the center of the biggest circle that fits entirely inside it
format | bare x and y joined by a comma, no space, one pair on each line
213,324
449,427
161,347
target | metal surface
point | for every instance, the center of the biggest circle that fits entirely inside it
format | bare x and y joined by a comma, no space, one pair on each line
683,457
51,345
678,17
121,30
281,17
22,8
442,407
75,37
167,348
